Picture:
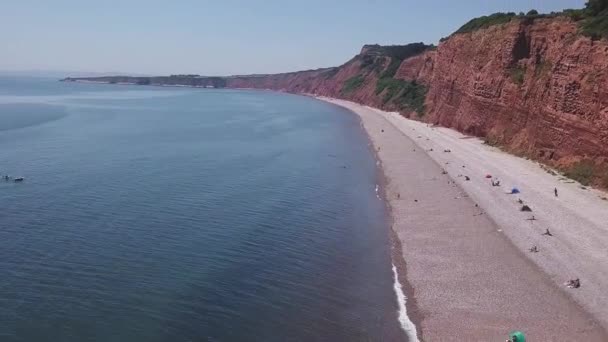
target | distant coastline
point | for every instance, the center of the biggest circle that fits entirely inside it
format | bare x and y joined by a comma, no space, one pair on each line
174,81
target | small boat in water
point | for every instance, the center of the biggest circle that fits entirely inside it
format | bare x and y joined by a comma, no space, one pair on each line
19,179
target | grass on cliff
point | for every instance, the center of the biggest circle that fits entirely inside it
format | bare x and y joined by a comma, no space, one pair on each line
352,84
486,21
596,26
543,69
587,173
604,179
581,172
503,18
392,68
518,74
593,19
375,59
405,94
330,73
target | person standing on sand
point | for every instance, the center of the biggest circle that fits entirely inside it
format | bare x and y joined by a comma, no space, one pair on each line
555,191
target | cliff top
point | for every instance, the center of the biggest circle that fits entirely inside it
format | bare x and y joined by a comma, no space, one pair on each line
592,20
396,51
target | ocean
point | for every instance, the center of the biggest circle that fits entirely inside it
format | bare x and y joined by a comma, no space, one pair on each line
177,214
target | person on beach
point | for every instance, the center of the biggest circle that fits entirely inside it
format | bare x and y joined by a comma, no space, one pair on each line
555,191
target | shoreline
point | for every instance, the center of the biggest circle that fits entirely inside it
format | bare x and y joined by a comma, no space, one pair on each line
407,314
452,280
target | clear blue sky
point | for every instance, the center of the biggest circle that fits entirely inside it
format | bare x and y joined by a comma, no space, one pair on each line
220,37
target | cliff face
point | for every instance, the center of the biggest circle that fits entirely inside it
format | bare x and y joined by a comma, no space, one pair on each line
533,86
368,78
537,88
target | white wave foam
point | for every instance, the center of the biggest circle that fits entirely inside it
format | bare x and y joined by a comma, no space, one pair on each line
406,324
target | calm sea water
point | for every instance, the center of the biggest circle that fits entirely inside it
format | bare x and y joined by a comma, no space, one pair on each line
169,214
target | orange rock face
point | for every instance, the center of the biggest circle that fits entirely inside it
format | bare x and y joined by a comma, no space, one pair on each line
536,88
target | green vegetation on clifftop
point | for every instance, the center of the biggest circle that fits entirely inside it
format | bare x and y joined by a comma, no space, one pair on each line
486,21
593,19
596,25
397,93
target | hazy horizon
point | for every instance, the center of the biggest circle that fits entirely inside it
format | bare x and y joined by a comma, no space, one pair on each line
231,38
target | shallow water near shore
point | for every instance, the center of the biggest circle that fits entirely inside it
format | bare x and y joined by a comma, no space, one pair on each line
160,214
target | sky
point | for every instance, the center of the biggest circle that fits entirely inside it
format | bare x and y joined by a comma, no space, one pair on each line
224,37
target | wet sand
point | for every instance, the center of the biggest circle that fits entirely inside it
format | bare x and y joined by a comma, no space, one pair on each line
465,267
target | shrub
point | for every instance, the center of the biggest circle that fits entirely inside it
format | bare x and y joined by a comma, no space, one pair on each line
543,68
595,7
352,84
486,21
593,19
377,65
491,140
402,52
518,75
330,73
596,27
404,94
391,69
604,179
582,172
366,61
574,14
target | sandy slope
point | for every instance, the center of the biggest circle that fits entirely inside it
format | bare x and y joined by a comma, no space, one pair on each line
465,243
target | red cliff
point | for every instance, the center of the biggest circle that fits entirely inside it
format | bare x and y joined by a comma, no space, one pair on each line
535,87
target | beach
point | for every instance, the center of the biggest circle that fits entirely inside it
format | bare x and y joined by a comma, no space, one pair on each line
462,246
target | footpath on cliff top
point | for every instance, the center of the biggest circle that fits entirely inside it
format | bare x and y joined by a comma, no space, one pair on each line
467,244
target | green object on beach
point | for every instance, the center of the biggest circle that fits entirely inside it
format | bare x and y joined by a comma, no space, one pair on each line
517,336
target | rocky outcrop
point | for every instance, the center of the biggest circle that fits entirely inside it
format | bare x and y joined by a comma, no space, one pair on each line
534,86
